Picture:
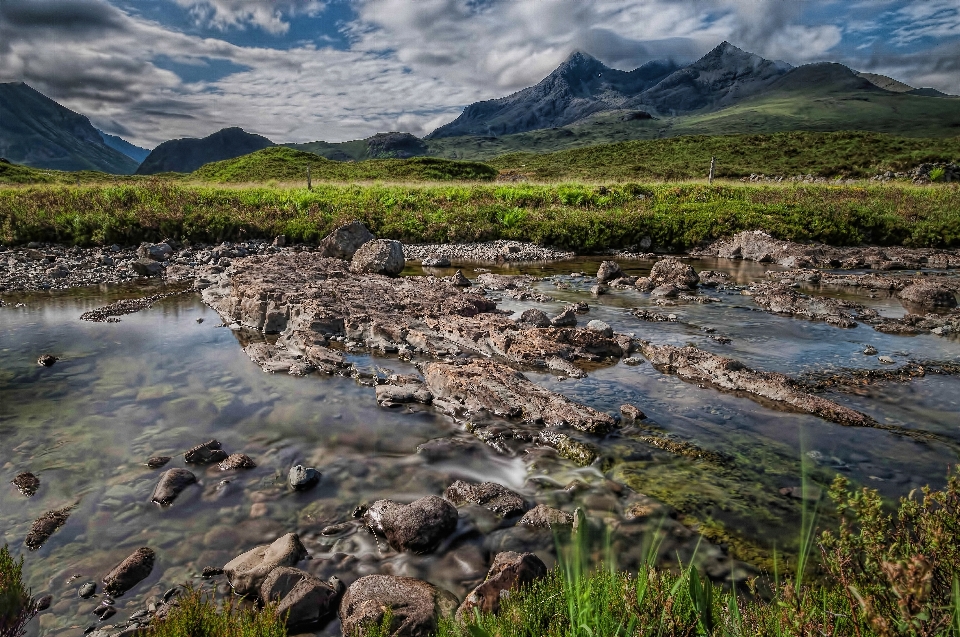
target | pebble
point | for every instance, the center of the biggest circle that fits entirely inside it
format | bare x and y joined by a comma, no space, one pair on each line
870,350
87,590
885,359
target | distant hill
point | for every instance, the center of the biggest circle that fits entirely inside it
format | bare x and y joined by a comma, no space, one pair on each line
36,131
380,146
188,154
135,153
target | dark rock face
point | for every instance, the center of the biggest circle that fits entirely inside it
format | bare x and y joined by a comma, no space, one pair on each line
417,527
45,526
510,571
344,242
545,517
926,294
247,572
304,599
380,256
187,154
171,484
156,462
489,495
129,572
26,483
416,606
47,360
207,453
237,461
609,270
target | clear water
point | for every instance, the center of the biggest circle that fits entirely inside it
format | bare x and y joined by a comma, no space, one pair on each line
160,382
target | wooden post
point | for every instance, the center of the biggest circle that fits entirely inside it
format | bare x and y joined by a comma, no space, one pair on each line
309,184
713,163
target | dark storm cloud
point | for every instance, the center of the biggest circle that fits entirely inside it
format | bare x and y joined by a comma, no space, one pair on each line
75,15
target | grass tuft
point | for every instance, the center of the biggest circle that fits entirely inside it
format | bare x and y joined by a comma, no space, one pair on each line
16,603
198,615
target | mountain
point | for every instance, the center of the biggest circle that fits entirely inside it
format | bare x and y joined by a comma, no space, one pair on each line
135,153
887,83
579,87
187,154
380,146
38,132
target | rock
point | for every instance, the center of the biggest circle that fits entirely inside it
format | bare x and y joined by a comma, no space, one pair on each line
380,256
26,483
580,453
417,527
633,361
344,242
460,281
598,289
47,360
156,462
415,606
302,478
886,360
247,572
146,267
399,394
435,262
666,291
870,350
601,328
675,272
609,270
155,252
104,612
87,590
237,461
45,526
280,241
43,603
305,600
566,318
510,572
129,572
713,278
545,517
211,571
172,483
206,453
632,413
925,294
535,318
489,495
782,299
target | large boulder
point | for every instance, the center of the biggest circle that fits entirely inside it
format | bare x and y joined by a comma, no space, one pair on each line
928,294
417,527
344,242
510,572
130,572
670,271
301,597
609,270
247,572
380,256
415,606
172,482
146,267
156,251
489,495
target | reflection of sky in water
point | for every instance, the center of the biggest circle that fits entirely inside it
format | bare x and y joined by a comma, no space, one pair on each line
159,382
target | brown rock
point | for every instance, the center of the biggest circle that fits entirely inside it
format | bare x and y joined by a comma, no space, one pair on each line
417,527
416,606
26,483
237,461
546,517
247,572
489,495
304,599
344,242
129,572
509,573
380,256
206,453
171,484
609,270
674,272
926,294
45,526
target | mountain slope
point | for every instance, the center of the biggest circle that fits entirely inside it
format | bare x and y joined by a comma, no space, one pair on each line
36,131
188,154
380,146
135,153
577,88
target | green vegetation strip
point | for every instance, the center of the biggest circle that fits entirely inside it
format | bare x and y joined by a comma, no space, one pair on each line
575,216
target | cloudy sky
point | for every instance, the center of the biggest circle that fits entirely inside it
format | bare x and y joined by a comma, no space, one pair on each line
303,70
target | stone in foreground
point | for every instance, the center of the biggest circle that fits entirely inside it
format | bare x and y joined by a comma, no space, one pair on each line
510,572
171,484
417,527
206,453
380,256
344,242
546,517
415,606
303,599
26,483
302,478
129,572
247,572
489,495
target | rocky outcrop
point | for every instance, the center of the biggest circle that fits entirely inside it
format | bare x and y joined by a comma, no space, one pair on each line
415,606
487,385
489,495
130,572
302,598
928,295
609,270
669,272
781,299
509,573
171,484
417,527
247,572
344,242
380,256
45,526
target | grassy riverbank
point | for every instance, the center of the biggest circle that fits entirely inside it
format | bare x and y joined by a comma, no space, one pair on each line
578,216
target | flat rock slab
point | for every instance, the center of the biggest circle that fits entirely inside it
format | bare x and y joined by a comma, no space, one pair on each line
247,572
781,299
45,526
417,527
503,391
416,606
171,484
510,571
489,495
130,572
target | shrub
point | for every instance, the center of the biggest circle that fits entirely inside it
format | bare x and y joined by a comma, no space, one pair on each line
16,604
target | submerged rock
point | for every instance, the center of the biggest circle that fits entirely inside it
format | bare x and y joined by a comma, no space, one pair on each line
510,572
415,606
417,527
344,242
489,495
578,452
156,462
237,461
302,598
87,590
47,360
129,572
206,453
26,483
546,517
380,256
171,484
781,299
45,526
247,572
302,478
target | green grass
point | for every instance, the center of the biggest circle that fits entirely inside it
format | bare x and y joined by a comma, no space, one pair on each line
16,603
577,216
199,615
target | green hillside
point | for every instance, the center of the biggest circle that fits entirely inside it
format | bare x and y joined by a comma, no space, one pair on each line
843,154
287,165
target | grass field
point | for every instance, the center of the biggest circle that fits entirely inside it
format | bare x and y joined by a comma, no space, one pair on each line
581,217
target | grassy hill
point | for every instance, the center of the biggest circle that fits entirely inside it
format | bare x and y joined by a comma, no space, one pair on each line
287,165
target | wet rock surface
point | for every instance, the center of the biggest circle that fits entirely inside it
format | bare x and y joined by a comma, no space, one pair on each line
130,572
928,295
416,606
302,598
781,299
301,478
417,527
546,517
489,495
237,461
171,484
247,572
45,526
510,572
669,272
26,483
206,453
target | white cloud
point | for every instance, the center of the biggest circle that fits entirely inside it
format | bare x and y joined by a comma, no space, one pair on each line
927,19
271,16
